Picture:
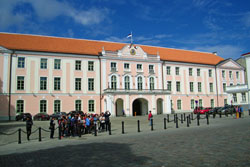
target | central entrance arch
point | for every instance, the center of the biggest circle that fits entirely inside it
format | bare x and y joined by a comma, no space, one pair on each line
140,107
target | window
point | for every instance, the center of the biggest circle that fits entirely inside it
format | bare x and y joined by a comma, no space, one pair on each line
21,62
190,72
231,84
169,86
168,70
113,82
139,83
151,68
210,73
113,66
211,87
127,82
178,86
19,106
126,66
192,104
177,70
91,106
139,67
199,87
223,74
78,83
57,106
191,85
243,97
198,72
43,106
78,65
20,83
78,105
57,64
224,87
91,66
151,83
43,64
200,102
212,102
225,101
91,84
235,97
230,75
43,83
178,104
57,83
237,74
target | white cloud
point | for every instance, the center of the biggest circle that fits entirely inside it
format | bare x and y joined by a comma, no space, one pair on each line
48,10
225,51
117,39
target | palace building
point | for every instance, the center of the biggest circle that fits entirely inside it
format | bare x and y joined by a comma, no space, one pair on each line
51,74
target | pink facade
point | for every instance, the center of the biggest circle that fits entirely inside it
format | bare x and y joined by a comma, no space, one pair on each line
128,81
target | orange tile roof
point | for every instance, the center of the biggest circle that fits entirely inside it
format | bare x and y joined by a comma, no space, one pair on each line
91,47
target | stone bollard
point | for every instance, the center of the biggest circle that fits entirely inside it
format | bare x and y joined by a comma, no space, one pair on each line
138,126
177,122
40,135
165,126
19,136
122,127
152,123
110,128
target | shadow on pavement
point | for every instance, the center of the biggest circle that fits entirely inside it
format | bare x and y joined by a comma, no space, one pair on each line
93,154
6,127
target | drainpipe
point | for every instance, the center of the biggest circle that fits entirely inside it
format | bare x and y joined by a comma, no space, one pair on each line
216,87
100,70
11,55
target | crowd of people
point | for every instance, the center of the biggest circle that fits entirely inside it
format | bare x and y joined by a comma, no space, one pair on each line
79,124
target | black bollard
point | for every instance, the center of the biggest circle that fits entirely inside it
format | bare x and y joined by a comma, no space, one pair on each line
152,124
207,119
138,126
198,119
19,136
214,114
192,116
181,118
184,117
165,127
220,114
40,135
249,112
59,133
95,130
177,122
122,127
168,117
110,128
226,113
187,121
189,118
175,118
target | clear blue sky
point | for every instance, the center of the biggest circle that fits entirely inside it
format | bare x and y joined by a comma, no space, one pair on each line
202,25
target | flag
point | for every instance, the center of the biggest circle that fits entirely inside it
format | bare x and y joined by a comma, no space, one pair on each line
129,35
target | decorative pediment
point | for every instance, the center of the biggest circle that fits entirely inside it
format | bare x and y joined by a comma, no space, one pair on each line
132,51
231,64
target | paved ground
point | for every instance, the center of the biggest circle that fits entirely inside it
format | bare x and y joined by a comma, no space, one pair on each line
224,142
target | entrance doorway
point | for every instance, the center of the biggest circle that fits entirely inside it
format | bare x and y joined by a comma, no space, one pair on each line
140,107
159,106
119,107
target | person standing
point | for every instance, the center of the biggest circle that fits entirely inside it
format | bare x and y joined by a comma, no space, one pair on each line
29,124
240,111
107,120
150,117
52,127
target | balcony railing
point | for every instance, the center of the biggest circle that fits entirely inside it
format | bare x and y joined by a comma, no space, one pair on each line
136,91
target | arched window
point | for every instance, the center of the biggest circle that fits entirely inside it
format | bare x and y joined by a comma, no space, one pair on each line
151,83
113,82
139,83
127,82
